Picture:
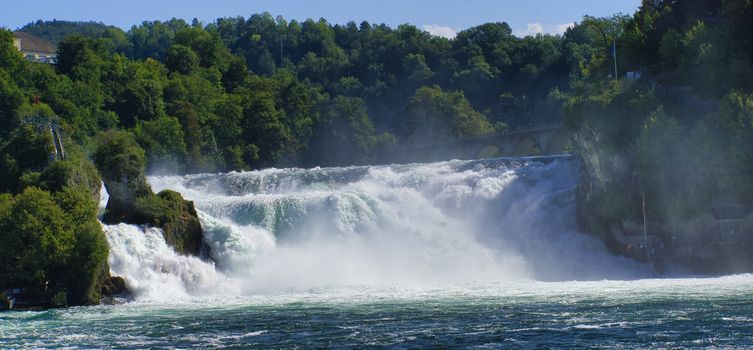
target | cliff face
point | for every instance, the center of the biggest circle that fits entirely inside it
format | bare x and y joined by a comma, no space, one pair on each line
605,195
717,239
121,206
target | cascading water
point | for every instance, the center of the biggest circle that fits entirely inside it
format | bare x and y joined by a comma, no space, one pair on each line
419,224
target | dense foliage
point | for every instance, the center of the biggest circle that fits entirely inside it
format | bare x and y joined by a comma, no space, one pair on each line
52,243
248,93
681,134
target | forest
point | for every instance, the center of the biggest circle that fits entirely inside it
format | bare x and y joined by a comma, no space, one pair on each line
250,93
257,92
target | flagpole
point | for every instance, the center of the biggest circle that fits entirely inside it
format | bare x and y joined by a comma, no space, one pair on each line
614,55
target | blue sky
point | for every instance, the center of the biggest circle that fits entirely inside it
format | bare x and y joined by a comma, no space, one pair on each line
441,17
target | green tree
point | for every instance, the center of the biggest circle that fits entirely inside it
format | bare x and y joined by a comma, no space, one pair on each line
734,127
162,140
120,158
74,172
434,115
264,127
80,58
87,264
207,45
37,240
138,92
10,57
153,39
181,59
191,132
236,74
11,98
28,150
346,134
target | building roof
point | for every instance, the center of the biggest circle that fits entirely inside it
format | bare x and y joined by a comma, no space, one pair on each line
30,43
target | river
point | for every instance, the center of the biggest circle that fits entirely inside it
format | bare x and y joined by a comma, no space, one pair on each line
481,254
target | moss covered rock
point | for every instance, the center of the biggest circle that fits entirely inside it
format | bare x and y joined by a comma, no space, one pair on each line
121,162
177,217
113,285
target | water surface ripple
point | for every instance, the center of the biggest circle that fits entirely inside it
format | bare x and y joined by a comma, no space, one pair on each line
659,313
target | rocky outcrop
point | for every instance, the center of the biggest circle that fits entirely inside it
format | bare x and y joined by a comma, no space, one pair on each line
175,216
112,285
167,210
181,227
121,163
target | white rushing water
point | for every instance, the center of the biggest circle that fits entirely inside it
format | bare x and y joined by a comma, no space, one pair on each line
444,223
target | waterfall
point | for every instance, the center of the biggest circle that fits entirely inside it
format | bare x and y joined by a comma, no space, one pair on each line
448,222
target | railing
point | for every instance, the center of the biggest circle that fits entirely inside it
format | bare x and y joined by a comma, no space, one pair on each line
45,125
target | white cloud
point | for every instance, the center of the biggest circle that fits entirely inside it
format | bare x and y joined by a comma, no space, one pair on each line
533,29
562,28
437,30
538,28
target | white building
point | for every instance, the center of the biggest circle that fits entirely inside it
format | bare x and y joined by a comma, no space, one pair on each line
35,49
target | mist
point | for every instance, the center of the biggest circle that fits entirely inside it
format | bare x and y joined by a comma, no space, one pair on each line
415,225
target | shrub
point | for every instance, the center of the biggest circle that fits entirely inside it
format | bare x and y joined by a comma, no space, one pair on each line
52,241
71,173
118,156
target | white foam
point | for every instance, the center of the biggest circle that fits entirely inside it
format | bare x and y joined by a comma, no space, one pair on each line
153,271
442,223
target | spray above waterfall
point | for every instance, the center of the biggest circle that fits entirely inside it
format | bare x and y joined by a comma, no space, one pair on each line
447,222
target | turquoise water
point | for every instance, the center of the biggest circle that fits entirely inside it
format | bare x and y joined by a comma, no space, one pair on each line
666,313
